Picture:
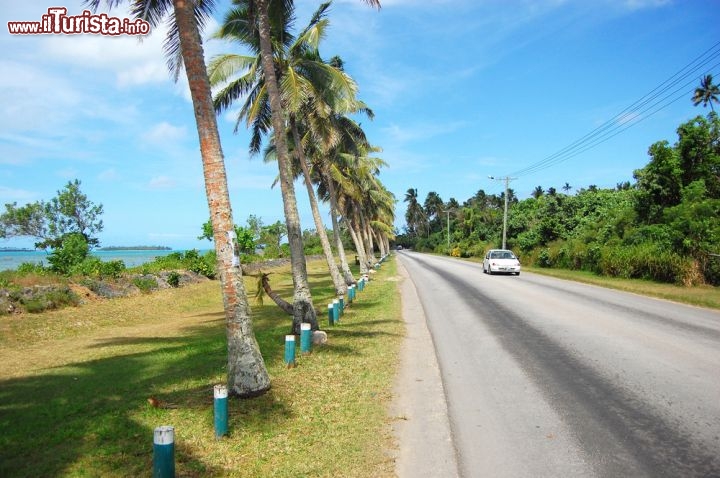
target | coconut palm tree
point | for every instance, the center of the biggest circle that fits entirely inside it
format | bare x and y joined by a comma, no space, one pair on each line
414,215
305,81
707,93
538,192
340,147
302,300
250,21
247,375
433,207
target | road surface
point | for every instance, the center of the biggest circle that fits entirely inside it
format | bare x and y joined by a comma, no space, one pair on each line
544,377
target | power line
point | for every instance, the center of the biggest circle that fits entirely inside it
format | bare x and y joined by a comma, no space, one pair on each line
662,96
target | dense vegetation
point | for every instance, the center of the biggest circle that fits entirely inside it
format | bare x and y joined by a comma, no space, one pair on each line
663,227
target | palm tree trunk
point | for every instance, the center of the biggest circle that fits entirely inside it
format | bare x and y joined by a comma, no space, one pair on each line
359,249
340,287
247,375
356,234
367,240
347,274
279,301
302,299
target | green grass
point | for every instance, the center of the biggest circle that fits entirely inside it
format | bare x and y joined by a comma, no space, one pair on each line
75,384
701,296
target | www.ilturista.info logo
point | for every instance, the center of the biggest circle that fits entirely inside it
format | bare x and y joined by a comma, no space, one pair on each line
57,21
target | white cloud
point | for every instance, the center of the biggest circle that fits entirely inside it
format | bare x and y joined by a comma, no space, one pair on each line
162,182
163,133
16,195
643,4
109,175
420,131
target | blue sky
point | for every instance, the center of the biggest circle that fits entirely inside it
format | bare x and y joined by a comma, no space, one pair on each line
461,89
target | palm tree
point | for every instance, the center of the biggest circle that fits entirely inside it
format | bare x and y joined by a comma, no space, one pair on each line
414,215
305,83
707,93
538,192
434,208
250,21
567,187
247,375
341,147
302,300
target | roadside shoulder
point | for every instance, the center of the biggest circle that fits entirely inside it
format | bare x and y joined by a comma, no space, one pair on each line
419,409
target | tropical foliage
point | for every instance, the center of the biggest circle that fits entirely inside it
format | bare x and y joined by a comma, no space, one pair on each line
663,227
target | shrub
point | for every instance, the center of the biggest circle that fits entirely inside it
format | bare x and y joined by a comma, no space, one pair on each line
73,251
146,284
31,268
94,267
42,300
543,258
173,279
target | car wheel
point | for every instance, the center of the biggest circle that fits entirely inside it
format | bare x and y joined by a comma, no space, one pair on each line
489,271
517,273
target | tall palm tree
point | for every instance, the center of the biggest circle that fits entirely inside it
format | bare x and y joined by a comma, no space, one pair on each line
414,215
247,375
305,81
251,21
344,142
434,207
707,93
276,111
538,192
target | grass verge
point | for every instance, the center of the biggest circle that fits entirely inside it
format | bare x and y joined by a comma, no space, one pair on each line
702,296
75,385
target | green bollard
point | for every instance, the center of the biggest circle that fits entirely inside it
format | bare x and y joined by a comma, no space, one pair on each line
305,338
290,351
164,452
351,294
341,300
331,314
221,410
336,311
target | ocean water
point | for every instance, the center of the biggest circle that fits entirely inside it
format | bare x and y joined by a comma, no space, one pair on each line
11,260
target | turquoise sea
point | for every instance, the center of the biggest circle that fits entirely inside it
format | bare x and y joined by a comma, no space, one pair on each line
131,258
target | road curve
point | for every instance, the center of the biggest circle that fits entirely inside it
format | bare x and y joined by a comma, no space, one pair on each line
552,378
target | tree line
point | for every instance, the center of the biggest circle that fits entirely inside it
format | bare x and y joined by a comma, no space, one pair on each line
299,108
664,226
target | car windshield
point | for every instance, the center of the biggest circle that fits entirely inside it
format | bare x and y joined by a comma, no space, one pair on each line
502,255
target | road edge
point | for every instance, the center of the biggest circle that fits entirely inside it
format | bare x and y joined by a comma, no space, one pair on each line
418,410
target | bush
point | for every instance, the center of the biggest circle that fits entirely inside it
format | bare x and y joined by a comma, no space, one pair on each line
27,268
42,300
146,284
94,267
173,279
73,251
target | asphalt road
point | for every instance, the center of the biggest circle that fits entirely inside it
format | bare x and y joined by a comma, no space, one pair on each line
544,377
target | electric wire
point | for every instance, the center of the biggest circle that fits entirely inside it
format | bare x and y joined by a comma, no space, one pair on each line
662,96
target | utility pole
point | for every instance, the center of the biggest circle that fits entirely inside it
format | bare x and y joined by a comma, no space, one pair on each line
448,228
507,180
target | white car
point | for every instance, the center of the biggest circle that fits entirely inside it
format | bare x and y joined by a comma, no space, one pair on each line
501,261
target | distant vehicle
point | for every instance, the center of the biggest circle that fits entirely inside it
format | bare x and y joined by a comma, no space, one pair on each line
399,247
501,261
